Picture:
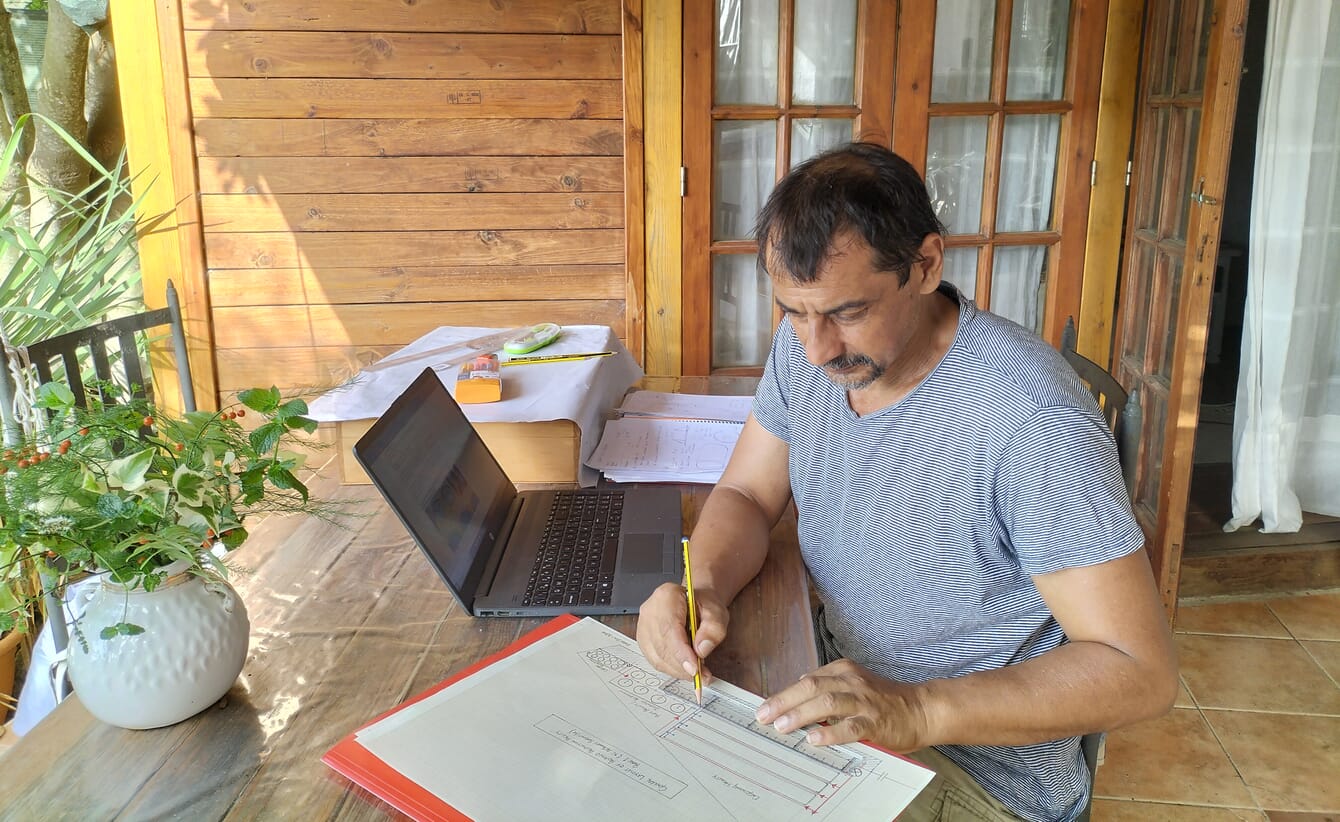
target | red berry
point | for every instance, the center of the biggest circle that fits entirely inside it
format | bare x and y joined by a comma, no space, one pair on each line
83,432
178,446
24,463
148,420
65,446
241,412
9,453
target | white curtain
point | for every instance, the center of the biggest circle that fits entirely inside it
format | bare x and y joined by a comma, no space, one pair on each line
1286,434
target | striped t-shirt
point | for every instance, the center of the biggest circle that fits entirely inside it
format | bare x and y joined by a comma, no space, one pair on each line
922,523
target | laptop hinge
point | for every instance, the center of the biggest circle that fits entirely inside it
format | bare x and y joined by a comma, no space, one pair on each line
499,547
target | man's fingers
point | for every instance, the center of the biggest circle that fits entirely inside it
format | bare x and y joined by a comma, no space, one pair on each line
712,621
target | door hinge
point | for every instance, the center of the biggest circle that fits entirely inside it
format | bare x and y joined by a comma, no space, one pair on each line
683,181
1128,173
1093,174
1200,197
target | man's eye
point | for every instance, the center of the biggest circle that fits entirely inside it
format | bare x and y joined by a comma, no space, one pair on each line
849,316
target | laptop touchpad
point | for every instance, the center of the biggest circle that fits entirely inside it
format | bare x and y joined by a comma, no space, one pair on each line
642,554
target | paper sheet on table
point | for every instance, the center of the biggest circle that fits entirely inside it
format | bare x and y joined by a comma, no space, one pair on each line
686,406
583,391
647,449
578,726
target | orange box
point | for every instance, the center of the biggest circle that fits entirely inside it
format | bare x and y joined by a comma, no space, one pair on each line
479,380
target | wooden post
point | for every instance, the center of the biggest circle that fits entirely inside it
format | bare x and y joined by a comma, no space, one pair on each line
151,73
662,77
1107,199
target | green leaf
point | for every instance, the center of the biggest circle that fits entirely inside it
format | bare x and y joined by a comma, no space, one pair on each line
189,485
233,537
128,471
54,395
306,424
127,629
282,478
259,399
292,408
264,438
109,632
111,506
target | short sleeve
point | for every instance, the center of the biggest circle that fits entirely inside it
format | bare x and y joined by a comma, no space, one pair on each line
1059,494
770,400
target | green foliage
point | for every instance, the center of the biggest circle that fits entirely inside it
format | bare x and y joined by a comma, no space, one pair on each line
76,266
127,490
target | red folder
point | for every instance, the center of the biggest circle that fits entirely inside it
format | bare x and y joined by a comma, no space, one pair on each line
360,765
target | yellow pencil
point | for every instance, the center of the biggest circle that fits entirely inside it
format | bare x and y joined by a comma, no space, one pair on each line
693,624
543,358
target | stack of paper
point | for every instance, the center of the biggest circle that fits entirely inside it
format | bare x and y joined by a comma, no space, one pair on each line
686,406
647,449
662,437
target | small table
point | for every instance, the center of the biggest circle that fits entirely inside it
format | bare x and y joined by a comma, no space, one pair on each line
346,623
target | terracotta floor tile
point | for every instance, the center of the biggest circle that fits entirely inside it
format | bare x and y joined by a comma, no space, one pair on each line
1184,699
1117,810
1311,617
1231,618
1174,758
1251,674
1289,762
1327,655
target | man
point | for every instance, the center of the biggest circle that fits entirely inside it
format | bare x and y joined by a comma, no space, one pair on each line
961,511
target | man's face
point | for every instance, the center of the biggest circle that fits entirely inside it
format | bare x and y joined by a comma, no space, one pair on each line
854,321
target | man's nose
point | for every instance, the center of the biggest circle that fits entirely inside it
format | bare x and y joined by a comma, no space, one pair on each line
822,343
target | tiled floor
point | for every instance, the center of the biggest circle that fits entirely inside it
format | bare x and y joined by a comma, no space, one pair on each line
1255,734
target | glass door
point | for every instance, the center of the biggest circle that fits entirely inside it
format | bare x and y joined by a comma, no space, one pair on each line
1010,98
777,79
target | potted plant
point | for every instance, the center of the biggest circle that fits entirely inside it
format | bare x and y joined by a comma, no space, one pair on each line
149,503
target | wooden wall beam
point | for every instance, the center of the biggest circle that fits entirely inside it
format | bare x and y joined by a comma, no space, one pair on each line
151,73
633,193
663,221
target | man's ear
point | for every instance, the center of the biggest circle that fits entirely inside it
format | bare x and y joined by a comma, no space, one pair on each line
926,274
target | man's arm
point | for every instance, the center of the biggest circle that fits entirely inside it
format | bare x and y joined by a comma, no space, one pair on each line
1119,667
729,545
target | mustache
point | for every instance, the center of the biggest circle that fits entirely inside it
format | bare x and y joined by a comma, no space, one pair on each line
849,361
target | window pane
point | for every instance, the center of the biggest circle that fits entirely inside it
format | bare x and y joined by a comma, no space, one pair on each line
810,137
745,159
824,58
955,159
746,64
961,270
741,311
1189,134
1019,284
961,71
1027,172
1038,36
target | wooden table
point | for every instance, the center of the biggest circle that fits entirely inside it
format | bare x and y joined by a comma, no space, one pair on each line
345,624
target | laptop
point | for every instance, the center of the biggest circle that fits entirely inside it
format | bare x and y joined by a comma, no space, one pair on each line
504,552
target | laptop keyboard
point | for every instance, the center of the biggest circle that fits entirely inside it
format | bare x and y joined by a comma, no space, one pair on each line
575,564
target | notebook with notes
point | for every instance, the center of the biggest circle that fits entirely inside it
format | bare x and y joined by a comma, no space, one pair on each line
504,552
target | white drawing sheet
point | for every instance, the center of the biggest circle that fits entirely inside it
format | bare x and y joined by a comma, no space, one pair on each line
649,449
578,726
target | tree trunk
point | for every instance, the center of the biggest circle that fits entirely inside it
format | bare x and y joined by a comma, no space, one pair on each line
60,96
14,102
102,104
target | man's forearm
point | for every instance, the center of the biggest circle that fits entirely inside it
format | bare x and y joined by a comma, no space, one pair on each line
730,543
1077,688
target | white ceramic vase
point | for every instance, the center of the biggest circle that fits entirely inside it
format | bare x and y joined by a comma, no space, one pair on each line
190,652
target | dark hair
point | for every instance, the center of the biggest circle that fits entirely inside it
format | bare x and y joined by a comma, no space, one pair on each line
859,187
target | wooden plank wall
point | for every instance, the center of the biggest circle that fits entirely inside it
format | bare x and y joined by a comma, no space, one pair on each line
370,171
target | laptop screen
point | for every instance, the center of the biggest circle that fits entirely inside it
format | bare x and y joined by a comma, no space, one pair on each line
447,488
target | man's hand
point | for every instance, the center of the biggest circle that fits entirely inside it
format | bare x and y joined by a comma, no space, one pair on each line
856,704
663,634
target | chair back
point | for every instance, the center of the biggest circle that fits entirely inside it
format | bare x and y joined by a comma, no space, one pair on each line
97,339
1120,408
1122,411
